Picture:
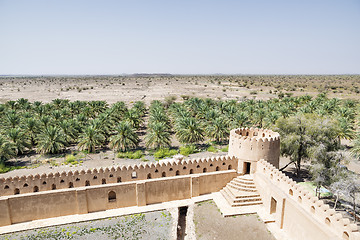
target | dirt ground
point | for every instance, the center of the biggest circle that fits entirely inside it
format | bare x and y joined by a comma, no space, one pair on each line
211,225
152,87
36,164
153,225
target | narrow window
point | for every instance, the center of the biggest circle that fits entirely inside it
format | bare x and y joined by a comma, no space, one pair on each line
53,187
163,174
273,204
119,179
198,166
103,181
312,209
156,170
191,171
149,176
16,191
26,185
36,189
71,185
112,196
229,167
204,170
177,173
87,183
62,181
217,168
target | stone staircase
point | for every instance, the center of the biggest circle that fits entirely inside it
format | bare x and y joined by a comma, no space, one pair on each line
241,191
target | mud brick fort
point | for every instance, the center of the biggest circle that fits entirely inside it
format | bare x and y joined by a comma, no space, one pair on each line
247,176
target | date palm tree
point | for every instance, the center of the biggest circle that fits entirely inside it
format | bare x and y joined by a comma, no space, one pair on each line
90,139
125,137
189,130
50,140
355,151
157,135
134,118
18,138
7,149
217,129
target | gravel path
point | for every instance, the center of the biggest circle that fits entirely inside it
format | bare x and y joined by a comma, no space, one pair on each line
210,224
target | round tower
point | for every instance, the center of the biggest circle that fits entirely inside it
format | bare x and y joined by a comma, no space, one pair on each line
249,145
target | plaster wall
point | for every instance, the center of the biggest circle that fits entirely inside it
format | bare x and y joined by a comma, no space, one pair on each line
54,203
253,144
76,179
298,212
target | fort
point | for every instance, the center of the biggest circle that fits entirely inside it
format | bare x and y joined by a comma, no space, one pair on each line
248,175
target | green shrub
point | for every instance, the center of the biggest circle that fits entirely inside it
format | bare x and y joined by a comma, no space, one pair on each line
164,152
4,168
225,149
187,150
211,149
70,158
132,155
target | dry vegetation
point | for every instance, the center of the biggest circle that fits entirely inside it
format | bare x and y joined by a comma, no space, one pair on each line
157,87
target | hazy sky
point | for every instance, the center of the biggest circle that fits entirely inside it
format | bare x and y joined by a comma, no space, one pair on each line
185,37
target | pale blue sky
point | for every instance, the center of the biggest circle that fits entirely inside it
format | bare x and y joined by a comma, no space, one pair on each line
179,37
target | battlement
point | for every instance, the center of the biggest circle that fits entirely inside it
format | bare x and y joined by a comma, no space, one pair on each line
253,144
308,202
255,134
88,177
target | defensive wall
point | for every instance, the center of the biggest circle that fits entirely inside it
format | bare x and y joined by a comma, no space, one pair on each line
249,145
298,211
251,151
99,190
75,179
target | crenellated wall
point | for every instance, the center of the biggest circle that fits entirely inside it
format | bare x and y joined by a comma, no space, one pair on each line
298,211
47,204
70,179
252,144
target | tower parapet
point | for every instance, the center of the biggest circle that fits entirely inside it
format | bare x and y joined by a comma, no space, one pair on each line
249,145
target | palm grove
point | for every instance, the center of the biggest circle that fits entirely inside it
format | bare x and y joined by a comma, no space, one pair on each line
311,128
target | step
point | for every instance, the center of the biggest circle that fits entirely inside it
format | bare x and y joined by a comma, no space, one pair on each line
243,185
249,199
238,180
226,196
241,194
239,188
229,193
245,178
240,202
246,204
